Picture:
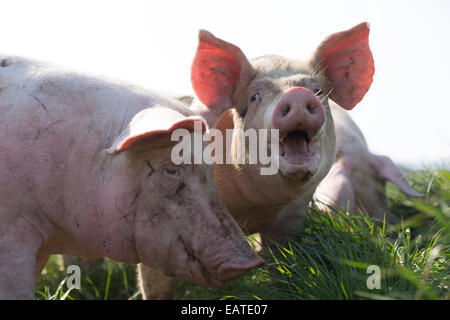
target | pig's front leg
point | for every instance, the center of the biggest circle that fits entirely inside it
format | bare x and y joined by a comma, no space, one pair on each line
154,285
286,227
18,250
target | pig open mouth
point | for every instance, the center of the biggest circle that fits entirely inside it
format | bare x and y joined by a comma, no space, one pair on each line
294,147
298,154
211,269
208,278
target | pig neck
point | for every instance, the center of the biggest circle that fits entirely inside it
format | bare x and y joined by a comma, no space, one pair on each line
250,207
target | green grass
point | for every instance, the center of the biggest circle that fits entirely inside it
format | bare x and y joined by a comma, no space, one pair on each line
329,261
101,279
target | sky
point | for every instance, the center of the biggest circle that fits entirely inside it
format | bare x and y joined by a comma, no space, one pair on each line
405,114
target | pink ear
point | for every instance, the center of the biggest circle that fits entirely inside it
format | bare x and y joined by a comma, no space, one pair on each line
348,64
388,170
154,121
217,70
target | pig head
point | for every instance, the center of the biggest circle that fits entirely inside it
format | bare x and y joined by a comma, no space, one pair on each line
273,92
357,178
86,171
181,225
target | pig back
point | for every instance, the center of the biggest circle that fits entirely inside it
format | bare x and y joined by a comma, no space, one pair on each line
54,126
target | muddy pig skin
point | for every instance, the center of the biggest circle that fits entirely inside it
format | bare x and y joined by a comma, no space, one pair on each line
85,170
357,179
273,92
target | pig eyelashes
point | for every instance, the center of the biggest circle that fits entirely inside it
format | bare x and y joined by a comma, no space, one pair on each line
317,92
317,72
174,173
313,86
323,97
255,97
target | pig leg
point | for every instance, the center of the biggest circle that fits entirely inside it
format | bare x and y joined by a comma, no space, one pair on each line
286,227
18,250
41,261
154,285
336,189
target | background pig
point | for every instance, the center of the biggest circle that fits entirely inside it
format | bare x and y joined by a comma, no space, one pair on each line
357,178
85,170
273,92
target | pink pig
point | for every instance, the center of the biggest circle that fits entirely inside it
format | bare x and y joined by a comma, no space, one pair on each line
85,170
357,178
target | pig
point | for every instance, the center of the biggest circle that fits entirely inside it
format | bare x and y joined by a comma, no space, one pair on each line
273,92
86,171
357,179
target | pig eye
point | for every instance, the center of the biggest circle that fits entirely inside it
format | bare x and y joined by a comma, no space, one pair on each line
255,97
173,181
172,171
317,91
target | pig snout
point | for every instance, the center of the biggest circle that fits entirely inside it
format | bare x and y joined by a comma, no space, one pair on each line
235,258
299,116
298,109
229,271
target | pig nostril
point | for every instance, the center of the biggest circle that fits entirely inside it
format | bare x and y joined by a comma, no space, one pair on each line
285,111
310,108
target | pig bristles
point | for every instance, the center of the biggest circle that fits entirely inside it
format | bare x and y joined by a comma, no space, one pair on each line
325,97
317,71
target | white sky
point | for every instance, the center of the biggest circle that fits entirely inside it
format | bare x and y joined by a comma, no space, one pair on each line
405,115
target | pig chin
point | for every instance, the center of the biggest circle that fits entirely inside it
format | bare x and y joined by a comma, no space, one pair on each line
192,269
299,156
205,269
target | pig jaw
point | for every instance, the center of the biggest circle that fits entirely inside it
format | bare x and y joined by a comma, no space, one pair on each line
210,267
319,161
184,257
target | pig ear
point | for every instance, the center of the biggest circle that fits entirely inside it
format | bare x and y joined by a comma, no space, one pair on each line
388,170
151,124
348,64
218,70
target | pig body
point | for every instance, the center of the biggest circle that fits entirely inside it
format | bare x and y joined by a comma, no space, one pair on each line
273,92
85,170
357,179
